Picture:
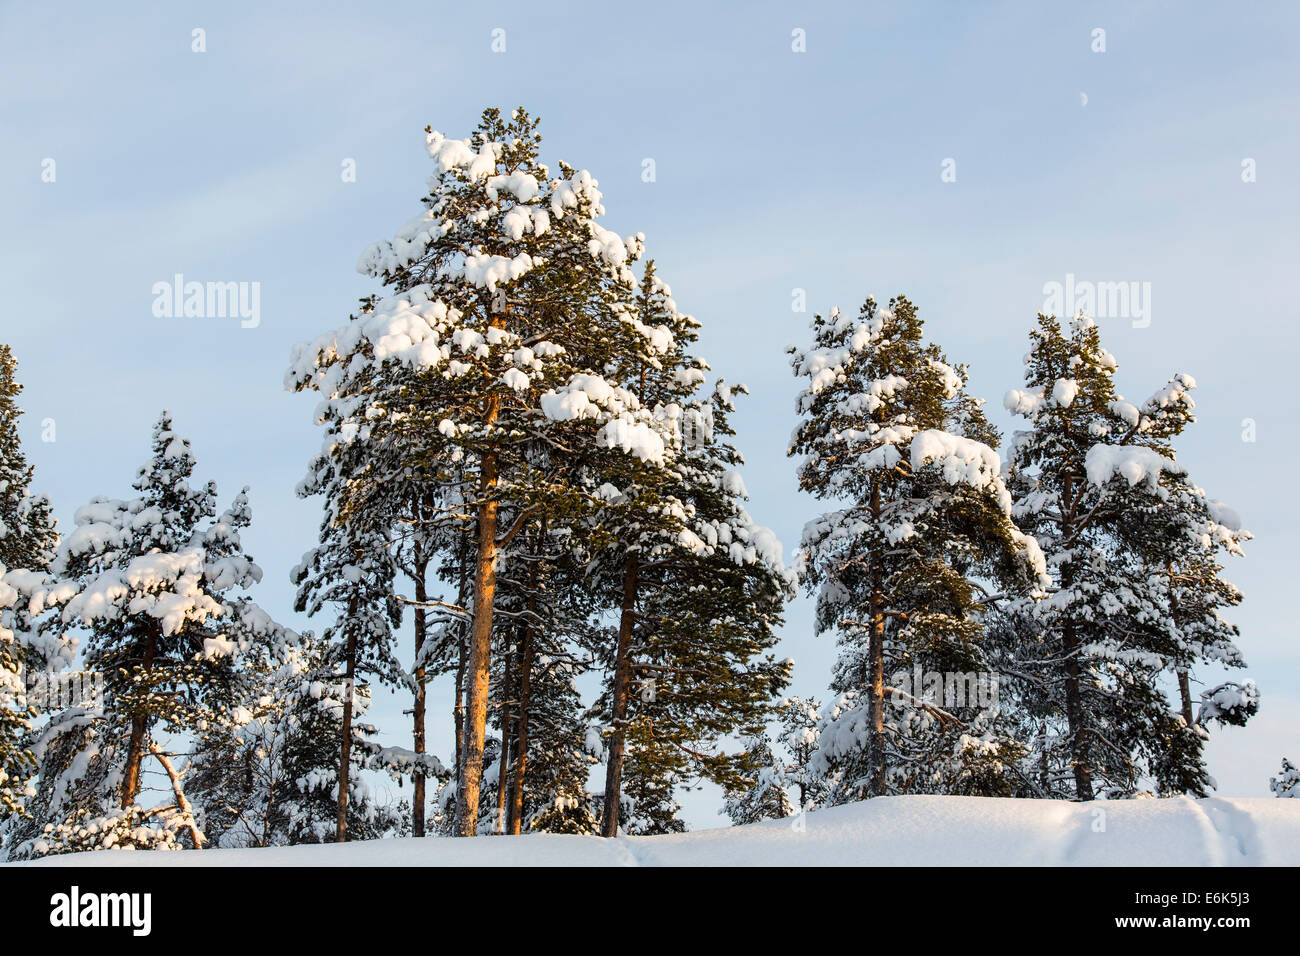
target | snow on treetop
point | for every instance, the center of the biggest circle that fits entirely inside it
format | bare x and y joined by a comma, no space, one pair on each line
960,460
1065,391
1224,515
165,586
458,155
633,436
1132,463
490,271
1020,401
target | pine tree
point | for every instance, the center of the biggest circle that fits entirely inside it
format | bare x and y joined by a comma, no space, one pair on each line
699,587
17,764
491,347
27,542
1287,782
157,586
27,533
886,425
765,796
269,777
801,726
351,570
1092,477
1196,532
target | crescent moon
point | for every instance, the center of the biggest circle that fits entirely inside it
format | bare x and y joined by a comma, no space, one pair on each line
1083,99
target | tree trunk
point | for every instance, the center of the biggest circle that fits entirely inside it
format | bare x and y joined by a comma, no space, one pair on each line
622,680
1079,750
345,750
1184,682
421,565
876,667
462,660
1185,692
876,704
515,808
1080,755
503,759
139,725
480,648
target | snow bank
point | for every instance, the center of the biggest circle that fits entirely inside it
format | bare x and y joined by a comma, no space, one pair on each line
889,831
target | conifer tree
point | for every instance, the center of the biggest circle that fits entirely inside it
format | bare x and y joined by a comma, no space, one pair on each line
1194,534
352,571
17,764
269,776
1287,782
800,722
1096,483
546,600
887,427
157,587
27,542
493,342
27,534
765,796
699,586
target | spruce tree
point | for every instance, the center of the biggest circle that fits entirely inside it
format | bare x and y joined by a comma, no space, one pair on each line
800,722
764,796
17,764
888,431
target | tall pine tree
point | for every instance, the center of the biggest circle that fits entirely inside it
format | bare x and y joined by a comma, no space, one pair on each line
888,432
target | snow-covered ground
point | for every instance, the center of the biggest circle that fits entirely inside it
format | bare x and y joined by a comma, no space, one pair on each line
890,831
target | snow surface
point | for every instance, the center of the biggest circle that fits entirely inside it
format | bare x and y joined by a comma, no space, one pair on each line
887,831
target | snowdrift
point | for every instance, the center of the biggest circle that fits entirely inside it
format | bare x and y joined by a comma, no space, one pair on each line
889,831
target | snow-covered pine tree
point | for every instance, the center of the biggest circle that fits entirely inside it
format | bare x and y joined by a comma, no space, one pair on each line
698,585
269,776
888,431
797,742
781,779
156,585
351,571
27,542
764,796
1093,479
494,339
17,764
1194,534
27,526
1287,782
547,610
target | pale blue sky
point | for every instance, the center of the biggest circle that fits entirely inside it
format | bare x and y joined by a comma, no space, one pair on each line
775,170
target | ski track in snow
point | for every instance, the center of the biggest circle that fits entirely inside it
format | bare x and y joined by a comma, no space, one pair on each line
889,831
1240,835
